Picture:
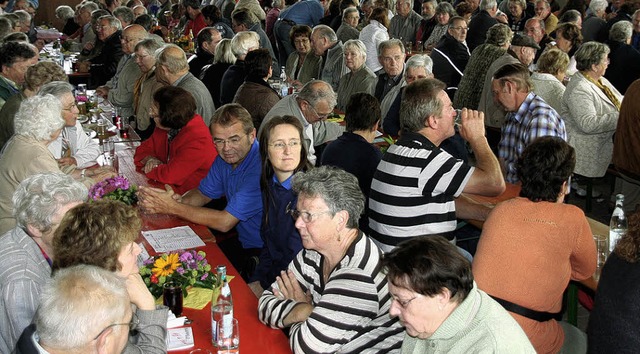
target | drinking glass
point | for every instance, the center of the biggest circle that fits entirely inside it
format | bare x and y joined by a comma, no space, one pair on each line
602,252
172,297
228,335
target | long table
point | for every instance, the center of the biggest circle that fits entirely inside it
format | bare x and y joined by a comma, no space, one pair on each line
255,337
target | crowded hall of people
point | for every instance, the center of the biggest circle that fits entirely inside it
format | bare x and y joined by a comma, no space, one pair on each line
319,176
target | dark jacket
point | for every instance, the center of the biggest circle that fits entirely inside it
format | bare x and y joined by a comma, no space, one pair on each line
443,68
104,66
624,66
25,344
231,81
198,61
257,97
211,76
478,27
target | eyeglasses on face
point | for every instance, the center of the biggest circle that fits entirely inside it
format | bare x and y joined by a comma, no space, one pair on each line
281,145
234,141
306,216
133,324
403,303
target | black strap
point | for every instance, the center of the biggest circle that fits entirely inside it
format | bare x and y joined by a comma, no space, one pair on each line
528,313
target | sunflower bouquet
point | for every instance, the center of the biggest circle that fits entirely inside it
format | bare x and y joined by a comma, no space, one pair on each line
188,268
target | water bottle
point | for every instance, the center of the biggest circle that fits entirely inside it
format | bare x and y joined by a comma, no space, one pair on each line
618,223
284,87
222,304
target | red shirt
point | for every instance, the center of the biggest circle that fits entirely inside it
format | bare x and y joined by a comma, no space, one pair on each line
186,160
195,25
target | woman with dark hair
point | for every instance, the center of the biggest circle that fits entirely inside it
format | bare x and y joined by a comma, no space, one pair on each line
302,65
531,246
283,155
373,34
444,12
439,305
255,94
614,322
213,18
180,150
569,39
103,233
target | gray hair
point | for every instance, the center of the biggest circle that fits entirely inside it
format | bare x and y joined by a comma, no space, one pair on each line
419,61
445,7
64,12
16,37
172,57
621,31
390,43
39,117
89,6
420,101
223,52
315,91
488,4
337,188
151,44
522,3
93,299
39,197
243,41
347,11
23,16
113,22
56,88
589,54
125,13
598,5
499,34
357,46
325,31
6,26
407,1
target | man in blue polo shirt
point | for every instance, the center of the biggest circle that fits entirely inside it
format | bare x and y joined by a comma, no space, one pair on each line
235,175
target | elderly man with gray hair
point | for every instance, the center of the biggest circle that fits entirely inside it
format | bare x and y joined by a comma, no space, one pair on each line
72,147
325,44
312,105
624,60
172,69
96,300
594,26
39,203
105,64
405,23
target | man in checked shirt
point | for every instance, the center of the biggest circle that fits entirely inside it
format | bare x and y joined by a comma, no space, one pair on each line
528,116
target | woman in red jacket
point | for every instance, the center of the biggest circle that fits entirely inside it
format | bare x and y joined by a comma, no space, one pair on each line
180,150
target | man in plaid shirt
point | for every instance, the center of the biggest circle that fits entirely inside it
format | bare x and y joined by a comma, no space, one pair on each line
529,116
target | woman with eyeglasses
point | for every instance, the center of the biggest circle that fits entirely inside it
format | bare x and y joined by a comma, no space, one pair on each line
437,301
283,155
103,234
180,150
333,297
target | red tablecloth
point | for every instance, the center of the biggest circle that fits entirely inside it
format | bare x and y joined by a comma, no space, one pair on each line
255,337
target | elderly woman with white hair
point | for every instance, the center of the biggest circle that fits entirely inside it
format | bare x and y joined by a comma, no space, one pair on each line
72,147
590,108
417,67
360,78
212,74
241,44
39,203
146,85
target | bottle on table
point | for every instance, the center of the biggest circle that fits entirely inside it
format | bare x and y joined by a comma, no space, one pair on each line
284,86
618,223
192,45
221,303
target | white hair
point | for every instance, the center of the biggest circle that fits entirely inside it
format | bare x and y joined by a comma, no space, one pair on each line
39,117
598,5
77,304
40,196
357,46
243,41
419,61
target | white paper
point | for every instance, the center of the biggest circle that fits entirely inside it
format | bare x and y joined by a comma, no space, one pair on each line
173,322
177,238
143,256
179,338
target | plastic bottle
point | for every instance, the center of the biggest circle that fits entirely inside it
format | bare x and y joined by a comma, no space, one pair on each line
221,303
284,87
618,223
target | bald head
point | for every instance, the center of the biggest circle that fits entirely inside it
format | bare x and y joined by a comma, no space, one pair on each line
131,36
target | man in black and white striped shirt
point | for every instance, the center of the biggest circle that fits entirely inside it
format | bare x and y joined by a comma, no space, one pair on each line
416,188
